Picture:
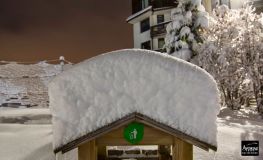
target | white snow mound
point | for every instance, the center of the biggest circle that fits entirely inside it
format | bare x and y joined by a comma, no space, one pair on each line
105,88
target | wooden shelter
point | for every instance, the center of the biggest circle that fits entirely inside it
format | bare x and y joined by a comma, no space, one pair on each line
93,145
130,98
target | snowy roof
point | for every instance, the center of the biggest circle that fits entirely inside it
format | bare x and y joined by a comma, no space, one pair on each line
106,88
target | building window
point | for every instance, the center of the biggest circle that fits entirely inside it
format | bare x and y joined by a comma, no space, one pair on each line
160,19
146,45
225,2
161,43
144,3
145,25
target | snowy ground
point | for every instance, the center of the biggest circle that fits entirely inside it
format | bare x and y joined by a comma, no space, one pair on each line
25,134
30,139
25,142
234,126
25,116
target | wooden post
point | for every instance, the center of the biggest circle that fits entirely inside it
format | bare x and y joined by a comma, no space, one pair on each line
208,5
164,152
158,152
88,151
59,156
102,152
182,150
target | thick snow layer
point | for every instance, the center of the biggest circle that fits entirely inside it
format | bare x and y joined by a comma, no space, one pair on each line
105,88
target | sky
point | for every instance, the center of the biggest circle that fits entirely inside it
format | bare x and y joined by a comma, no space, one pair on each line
34,30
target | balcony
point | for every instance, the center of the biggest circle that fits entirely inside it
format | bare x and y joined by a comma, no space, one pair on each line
259,5
139,5
159,29
164,3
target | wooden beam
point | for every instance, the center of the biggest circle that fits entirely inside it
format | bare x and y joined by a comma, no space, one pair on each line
164,152
126,120
122,142
167,129
91,136
87,151
182,150
151,136
102,152
208,5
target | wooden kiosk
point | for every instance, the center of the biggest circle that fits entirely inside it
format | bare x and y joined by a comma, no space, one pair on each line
102,116
93,145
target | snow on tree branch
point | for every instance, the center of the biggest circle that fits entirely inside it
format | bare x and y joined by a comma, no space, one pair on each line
183,32
232,52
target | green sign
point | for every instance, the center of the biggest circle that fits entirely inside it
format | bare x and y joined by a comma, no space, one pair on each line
133,133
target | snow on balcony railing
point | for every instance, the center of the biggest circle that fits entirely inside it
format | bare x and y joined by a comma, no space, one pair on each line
159,29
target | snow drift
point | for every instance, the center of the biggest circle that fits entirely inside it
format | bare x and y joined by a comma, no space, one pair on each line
105,88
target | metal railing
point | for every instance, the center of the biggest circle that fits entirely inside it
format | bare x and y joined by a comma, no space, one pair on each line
159,29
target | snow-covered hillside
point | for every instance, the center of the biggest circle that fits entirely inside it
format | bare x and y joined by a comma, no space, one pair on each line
26,85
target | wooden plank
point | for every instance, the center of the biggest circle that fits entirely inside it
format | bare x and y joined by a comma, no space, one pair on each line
122,142
182,150
208,5
87,151
151,136
167,129
164,152
59,156
102,152
101,131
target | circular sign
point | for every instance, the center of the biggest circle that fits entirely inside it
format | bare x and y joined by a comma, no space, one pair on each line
133,133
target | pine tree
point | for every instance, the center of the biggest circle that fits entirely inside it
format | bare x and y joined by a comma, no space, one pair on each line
188,19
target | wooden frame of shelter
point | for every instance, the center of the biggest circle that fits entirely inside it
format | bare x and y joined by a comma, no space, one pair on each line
93,144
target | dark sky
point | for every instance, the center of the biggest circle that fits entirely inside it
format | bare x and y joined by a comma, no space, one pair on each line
77,29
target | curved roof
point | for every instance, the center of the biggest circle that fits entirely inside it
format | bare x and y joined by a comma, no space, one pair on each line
102,90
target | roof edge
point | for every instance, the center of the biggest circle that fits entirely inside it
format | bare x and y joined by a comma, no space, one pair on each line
163,8
138,117
138,14
97,133
150,8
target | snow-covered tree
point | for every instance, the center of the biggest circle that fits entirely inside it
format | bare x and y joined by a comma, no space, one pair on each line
251,48
188,18
218,56
233,53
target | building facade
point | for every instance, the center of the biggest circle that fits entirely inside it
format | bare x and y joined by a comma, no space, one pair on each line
149,19
235,4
